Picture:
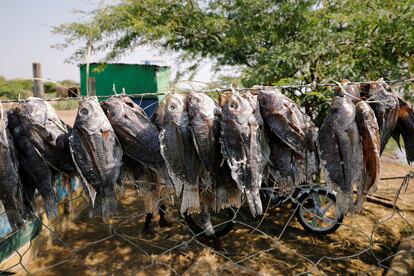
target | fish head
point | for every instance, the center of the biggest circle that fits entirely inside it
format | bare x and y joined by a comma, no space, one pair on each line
237,108
90,115
34,109
113,108
342,112
172,109
201,103
271,100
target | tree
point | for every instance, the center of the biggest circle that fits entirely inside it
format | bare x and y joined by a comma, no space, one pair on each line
270,41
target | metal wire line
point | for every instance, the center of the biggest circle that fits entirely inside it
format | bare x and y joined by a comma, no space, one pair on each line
174,89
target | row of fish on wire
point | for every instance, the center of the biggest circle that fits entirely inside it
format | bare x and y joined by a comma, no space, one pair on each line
211,155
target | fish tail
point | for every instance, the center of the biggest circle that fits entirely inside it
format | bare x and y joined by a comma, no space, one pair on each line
190,200
50,204
105,205
15,219
254,201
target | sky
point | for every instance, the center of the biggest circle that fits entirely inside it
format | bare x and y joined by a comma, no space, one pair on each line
26,37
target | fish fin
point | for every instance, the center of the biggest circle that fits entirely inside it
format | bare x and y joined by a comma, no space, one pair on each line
190,201
105,205
254,201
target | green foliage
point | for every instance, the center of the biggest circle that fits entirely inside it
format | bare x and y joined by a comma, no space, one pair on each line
66,105
269,41
13,89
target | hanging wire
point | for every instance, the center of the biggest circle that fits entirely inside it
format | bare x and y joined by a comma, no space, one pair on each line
175,89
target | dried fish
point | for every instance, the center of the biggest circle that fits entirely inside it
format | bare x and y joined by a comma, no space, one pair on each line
370,136
10,185
341,150
178,150
35,172
47,133
386,106
136,133
98,156
405,128
241,147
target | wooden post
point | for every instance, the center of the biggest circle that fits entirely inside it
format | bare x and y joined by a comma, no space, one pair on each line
92,86
38,89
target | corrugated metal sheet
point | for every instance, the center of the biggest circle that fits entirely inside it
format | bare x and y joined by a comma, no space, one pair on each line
134,78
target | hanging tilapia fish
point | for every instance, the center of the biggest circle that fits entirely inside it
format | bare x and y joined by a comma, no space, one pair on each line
405,128
215,187
97,155
371,143
352,90
34,170
140,144
386,106
341,150
178,150
292,139
10,185
47,133
241,147
136,133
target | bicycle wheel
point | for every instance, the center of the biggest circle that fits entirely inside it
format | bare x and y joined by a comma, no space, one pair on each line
317,212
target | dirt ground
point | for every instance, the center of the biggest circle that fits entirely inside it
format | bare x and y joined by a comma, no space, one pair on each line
91,247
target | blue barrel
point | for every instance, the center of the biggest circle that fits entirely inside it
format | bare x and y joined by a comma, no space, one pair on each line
148,105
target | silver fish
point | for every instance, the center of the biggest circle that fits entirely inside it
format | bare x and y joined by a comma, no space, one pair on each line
217,189
341,150
178,150
290,126
10,185
47,133
137,134
241,147
98,156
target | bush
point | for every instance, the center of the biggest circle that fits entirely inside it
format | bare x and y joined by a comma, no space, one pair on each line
66,105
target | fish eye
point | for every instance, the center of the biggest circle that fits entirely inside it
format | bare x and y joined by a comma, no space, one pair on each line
172,107
334,110
233,105
84,111
263,101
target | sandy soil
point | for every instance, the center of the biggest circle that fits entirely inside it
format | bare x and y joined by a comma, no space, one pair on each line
68,116
91,249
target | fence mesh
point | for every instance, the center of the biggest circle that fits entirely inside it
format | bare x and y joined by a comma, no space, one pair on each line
272,243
